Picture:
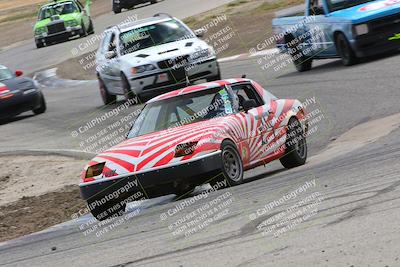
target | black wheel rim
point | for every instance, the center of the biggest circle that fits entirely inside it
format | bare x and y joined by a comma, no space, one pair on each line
231,164
300,142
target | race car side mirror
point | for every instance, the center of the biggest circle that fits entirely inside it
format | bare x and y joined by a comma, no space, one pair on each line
19,73
199,32
249,104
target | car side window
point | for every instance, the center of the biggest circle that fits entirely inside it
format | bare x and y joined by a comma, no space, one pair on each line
316,8
105,42
245,92
112,45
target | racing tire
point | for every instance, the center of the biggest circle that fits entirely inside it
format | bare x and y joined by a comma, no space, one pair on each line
232,165
83,31
42,108
39,45
102,213
303,63
295,146
105,95
129,95
91,28
117,9
345,51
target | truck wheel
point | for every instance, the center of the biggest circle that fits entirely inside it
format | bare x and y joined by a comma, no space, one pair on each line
296,145
232,165
42,108
105,95
302,63
107,210
345,51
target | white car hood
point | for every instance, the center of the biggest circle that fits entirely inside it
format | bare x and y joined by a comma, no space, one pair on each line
164,52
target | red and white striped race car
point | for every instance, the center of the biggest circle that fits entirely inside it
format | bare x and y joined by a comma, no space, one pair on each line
204,133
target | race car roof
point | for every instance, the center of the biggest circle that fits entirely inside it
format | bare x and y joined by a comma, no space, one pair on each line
50,3
196,88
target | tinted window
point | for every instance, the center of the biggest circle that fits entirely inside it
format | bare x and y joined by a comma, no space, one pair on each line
182,110
152,35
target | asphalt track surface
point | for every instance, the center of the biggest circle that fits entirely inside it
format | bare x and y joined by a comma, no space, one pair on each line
356,222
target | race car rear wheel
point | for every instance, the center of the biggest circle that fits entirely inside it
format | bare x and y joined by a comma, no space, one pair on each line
345,51
105,95
232,165
42,108
106,210
295,146
39,44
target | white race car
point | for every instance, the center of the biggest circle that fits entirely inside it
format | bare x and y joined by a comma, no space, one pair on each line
149,57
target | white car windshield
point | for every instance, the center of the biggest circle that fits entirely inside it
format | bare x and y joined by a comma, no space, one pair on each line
182,110
153,35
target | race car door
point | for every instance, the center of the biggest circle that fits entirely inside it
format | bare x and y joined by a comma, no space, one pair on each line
251,146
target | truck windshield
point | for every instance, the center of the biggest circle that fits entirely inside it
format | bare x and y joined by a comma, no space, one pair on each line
57,9
335,5
153,35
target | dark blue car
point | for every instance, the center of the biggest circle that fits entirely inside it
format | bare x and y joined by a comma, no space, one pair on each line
19,94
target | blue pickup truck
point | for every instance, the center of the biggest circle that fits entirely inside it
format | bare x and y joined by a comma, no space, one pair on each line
349,29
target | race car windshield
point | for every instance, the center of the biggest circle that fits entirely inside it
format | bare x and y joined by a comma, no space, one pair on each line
182,110
57,9
335,5
5,74
153,35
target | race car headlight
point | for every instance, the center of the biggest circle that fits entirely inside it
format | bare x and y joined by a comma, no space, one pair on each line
185,149
143,68
95,170
361,29
40,31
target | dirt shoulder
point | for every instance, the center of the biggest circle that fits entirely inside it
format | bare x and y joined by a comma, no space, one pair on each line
232,29
37,192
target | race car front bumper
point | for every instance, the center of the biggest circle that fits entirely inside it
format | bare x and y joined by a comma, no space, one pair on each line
166,80
59,36
162,180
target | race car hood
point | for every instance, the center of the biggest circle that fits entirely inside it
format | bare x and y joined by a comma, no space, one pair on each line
164,52
368,11
158,149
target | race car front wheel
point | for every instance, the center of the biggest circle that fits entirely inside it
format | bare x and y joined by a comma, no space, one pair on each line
42,108
232,165
345,51
105,95
295,146
129,95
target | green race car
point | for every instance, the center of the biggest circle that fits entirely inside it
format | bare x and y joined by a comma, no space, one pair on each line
61,20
